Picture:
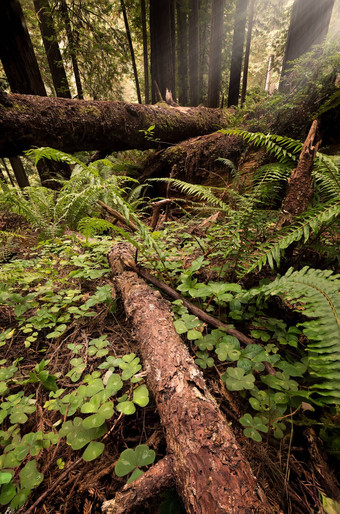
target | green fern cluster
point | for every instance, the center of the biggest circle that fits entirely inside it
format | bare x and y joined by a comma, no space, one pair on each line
315,294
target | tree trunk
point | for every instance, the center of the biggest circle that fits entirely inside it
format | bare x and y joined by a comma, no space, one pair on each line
309,24
237,52
19,172
300,186
72,48
132,53
73,125
162,59
194,160
22,71
247,52
49,37
16,51
145,53
8,172
211,473
194,52
215,56
182,50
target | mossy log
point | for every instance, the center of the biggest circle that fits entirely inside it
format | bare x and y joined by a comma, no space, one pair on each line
75,125
195,160
211,474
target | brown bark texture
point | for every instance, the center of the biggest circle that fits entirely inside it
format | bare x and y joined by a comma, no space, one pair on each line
73,125
300,186
157,479
194,160
211,473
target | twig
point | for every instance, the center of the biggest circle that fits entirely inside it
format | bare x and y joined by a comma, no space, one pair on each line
53,486
119,216
197,311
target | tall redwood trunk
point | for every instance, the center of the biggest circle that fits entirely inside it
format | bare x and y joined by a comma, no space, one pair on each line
162,59
215,54
194,52
309,24
247,52
182,50
22,71
145,53
49,37
72,48
132,52
237,52
19,172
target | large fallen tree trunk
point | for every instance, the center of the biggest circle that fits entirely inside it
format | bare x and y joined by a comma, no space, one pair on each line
210,472
75,125
195,160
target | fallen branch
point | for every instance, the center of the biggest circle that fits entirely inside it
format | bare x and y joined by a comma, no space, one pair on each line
211,473
156,480
118,216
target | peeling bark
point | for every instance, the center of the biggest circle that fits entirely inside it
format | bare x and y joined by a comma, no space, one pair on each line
300,185
73,125
194,160
156,480
211,473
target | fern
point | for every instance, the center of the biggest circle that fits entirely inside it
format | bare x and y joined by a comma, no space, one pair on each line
310,223
203,193
317,291
284,149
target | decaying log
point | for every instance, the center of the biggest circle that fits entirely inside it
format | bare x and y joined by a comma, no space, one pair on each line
75,125
211,473
194,160
157,479
300,185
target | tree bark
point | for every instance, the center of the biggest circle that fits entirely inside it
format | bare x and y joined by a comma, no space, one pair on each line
211,473
19,172
182,50
309,24
162,58
49,37
154,481
145,53
194,52
132,52
23,74
194,160
215,54
247,51
72,47
300,186
237,52
73,125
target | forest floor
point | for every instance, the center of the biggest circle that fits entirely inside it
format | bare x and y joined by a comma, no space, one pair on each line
65,336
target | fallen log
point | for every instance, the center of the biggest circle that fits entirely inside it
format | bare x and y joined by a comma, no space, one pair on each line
211,473
75,125
195,160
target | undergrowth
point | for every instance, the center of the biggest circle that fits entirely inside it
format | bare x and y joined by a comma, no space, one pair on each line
235,266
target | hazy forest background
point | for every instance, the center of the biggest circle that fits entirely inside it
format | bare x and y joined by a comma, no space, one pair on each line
193,145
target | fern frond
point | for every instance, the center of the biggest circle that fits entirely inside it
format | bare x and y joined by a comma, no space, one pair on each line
311,222
201,192
284,149
46,152
317,291
91,226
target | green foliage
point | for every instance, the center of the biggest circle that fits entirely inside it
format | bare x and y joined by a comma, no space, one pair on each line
317,292
132,460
